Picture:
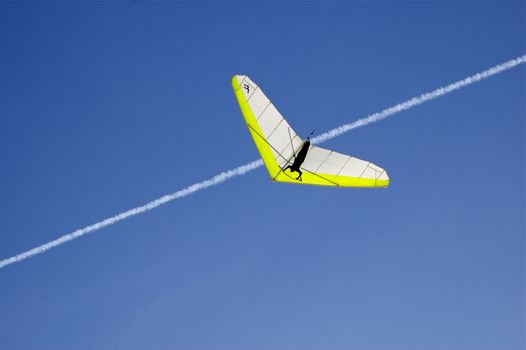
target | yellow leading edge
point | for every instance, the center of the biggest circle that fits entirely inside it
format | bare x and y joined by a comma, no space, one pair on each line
280,147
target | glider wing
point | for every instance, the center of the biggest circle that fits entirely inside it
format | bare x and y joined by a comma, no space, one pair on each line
329,168
279,144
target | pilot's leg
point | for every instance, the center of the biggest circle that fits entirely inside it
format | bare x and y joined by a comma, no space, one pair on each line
299,176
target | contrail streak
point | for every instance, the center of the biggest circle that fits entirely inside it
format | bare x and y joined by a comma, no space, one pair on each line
243,169
415,101
216,180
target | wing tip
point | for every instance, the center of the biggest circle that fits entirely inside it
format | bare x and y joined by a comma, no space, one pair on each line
234,82
383,183
383,180
237,78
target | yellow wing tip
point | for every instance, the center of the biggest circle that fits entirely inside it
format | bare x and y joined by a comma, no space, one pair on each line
235,84
236,79
382,183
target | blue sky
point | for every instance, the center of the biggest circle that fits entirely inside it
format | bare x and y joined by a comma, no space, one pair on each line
106,106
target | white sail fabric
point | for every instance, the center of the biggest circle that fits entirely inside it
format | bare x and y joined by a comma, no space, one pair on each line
276,131
322,161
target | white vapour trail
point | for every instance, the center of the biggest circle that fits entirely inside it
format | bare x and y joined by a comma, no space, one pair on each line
241,170
216,180
415,101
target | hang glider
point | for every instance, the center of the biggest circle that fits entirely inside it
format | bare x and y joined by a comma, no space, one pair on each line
289,158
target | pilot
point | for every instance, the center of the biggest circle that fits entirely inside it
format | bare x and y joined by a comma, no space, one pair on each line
295,169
